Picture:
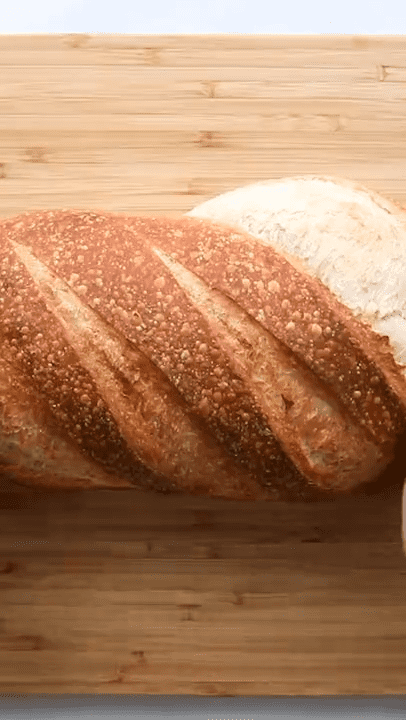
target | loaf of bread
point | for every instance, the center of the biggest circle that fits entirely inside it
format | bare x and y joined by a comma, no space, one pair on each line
184,355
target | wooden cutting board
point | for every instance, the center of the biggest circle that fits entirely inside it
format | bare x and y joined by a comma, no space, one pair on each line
157,124
124,592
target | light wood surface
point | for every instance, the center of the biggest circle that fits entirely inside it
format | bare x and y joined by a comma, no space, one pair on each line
156,124
129,593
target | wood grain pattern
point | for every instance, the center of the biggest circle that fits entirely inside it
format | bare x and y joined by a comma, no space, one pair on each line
160,123
129,593
132,593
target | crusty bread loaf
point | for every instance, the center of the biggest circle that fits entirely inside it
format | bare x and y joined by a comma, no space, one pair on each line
183,355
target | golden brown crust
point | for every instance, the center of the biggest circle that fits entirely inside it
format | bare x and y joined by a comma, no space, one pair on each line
299,311
153,350
33,448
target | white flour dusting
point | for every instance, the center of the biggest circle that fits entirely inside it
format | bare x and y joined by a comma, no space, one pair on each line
353,240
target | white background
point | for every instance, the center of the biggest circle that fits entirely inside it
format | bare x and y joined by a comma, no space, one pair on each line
204,16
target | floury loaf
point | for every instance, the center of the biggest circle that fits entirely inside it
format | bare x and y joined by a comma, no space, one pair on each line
350,238
184,355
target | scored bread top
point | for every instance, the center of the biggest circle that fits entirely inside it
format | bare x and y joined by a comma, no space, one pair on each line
298,310
178,349
102,394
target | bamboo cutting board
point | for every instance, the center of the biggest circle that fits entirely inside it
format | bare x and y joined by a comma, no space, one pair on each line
157,124
124,592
